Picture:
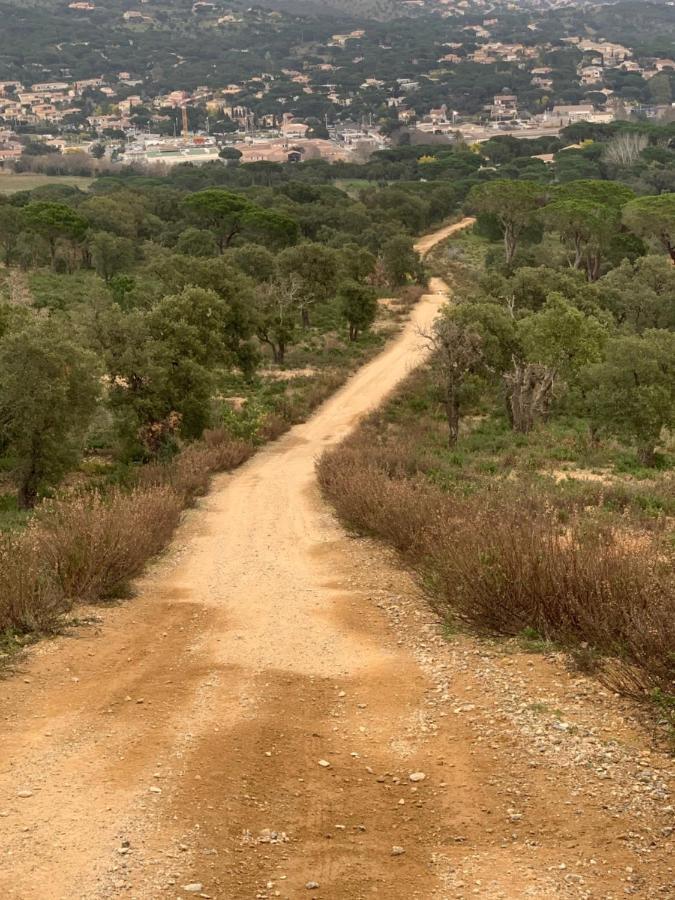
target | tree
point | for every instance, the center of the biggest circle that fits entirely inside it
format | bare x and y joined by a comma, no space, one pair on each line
192,325
653,217
315,269
624,150
555,343
141,392
457,353
231,155
125,213
277,304
529,287
513,203
586,227
228,215
587,215
496,327
48,392
197,242
358,305
161,367
110,254
356,262
632,393
660,89
11,223
399,260
255,261
641,294
53,221
609,193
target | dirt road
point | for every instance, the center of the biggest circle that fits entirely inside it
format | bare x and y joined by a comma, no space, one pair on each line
247,726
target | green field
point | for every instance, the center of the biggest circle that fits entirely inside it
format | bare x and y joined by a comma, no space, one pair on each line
10,183
352,186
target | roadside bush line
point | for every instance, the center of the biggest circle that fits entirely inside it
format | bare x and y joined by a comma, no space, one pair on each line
502,561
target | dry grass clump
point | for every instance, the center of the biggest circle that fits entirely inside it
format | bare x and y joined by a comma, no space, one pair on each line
86,547
95,543
30,597
189,472
502,561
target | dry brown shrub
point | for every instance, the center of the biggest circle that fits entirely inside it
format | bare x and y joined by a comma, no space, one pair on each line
94,544
31,600
410,295
273,427
190,471
502,562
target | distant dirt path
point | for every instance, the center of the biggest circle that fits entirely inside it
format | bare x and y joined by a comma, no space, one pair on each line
176,750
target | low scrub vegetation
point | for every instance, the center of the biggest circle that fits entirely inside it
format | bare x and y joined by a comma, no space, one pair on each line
508,549
86,546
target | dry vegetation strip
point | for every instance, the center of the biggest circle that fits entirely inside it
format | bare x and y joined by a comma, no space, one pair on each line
502,558
87,547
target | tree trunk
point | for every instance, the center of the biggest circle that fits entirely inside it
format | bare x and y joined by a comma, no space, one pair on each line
578,254
529,394
28,490
509,244
304,314
224,240
647,456
593,267
452,413
671,249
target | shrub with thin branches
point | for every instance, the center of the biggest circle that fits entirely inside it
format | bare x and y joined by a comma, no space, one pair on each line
502,561
31,599
94,543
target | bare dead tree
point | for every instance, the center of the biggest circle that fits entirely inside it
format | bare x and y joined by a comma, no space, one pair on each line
625,149
529,393
457,353
277,305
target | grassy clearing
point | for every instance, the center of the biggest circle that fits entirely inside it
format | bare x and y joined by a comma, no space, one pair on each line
506,546
352,186
559,458
10,183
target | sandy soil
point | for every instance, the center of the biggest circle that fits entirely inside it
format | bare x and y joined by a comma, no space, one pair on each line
248,725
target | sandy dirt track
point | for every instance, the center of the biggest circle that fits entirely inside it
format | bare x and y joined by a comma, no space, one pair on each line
247,726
